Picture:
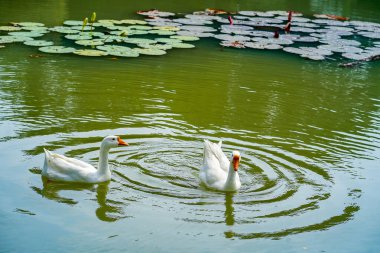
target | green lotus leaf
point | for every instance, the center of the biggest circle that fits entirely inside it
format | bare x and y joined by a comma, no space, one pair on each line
39,43
167,28
77,37
57,49
139,41
196,34
81,28
107,21
133,22
90,52
161,32
40,29
150,51
73,22
26,34
156,46
185,38
140,27
2,46
168,40
112,38
28,24
12,39
9,28
95,42
63,29
91,33
182,45
129,53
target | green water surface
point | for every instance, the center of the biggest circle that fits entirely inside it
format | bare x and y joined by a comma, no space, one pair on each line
308,133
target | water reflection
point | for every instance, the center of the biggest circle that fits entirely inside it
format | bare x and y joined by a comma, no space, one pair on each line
108,210
230,210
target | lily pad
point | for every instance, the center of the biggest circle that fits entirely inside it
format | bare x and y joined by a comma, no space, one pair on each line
77,37
197,28
29,24
306,39
63,29
150,51
161,32
156,46
133,22
73,22
81,28
57,49
234,44
38,43
188,21
12,39
168,40
26,34
139,41
130,53
353,56
9,28
90,52
188,38
232,38
95,42
182,45
196,34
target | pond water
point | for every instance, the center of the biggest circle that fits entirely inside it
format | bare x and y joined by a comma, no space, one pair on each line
308,133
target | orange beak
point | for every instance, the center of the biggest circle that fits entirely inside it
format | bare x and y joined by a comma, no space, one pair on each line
235,162
121,142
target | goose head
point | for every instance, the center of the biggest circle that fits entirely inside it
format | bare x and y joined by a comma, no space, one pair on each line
235,160
113,141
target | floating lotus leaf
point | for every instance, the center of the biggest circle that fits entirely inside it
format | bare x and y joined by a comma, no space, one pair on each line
113,38
64,29
187,21
303,29
2,46
273,47
57,49
308,25
341,48
156,46
317,50
294,50
370,35
95,42
130,53
356,57
133,22
90,52
182,45
232,38
73,22
164,23
91,34
188,38
155,13
38,43
9,28
306,39
40,29
167,28
168,40
77,37
150,51
107,21
326,36
264,14
139,41
248,13
341,42
26,34
81,28
280,41
196,28
237,27
202,17
256,45
12,39
29,24
281,13
235,44
377,43
236,32
140,27
196,34
161,32
262,34
112,48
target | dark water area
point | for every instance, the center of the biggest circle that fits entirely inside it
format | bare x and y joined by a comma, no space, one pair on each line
308,133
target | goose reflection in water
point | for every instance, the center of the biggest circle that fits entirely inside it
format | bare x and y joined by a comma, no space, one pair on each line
229,214
108,210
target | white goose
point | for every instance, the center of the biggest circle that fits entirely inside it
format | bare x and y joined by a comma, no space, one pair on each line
217,172
61,168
